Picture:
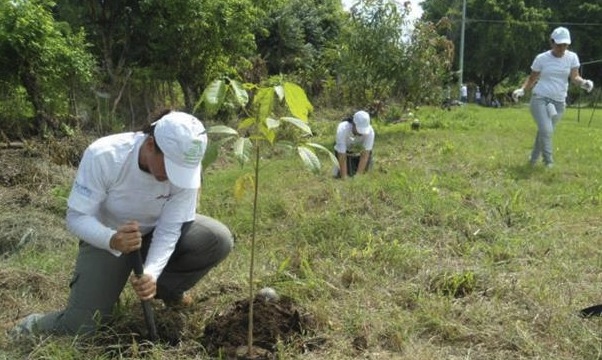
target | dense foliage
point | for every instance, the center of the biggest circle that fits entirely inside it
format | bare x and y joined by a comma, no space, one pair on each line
108,65
503,36
41,58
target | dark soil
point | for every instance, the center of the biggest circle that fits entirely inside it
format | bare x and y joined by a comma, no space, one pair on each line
225,336
274,321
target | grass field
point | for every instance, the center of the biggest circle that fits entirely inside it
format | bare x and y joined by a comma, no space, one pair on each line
452,247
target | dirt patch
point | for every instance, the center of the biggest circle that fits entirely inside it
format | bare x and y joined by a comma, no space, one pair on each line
274,322
224,335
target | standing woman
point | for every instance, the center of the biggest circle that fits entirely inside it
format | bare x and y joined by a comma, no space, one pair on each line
548,80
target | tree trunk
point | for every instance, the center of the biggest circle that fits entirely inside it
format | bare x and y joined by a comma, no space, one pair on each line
32,87
191,94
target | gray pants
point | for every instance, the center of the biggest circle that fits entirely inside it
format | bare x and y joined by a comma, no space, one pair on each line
545,127
99,277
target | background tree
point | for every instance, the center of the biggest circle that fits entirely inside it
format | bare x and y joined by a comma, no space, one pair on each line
501,37
162,53
427,67
152,53
44,57
296,38
372,51
195,41
380,59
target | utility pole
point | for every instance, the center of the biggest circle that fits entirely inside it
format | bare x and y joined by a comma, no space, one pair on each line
461,72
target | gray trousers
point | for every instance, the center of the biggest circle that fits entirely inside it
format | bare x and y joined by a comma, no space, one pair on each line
545,127
99,277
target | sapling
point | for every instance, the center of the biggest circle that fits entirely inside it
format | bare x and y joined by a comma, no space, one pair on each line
259,129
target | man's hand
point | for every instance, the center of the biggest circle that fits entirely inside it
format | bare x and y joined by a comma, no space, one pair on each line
518,93
144,286
127,238
587,85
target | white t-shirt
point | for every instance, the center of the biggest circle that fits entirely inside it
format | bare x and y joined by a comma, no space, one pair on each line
554,74
346,140
110,189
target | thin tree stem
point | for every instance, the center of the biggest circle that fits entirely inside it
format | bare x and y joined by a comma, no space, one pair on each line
251,267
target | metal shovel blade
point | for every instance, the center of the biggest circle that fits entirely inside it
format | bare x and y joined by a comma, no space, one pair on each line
595,310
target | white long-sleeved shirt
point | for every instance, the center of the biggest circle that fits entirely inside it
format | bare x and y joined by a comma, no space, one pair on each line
346,140
110,189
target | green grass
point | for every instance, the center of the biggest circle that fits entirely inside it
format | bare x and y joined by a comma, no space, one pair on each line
450,248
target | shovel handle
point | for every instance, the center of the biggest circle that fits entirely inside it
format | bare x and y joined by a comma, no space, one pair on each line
149,317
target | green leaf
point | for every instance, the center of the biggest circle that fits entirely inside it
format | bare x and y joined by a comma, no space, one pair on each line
333,158
211,154
272,123
222,129
279,91
298,123
242,148
263,103
268,134
246,123
242,184
309,158
285,144
240,94
297,101
213,96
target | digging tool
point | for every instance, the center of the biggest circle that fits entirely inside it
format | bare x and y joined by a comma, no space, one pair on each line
149,318
595,310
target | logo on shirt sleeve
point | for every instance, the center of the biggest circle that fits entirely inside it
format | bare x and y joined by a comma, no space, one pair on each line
82,189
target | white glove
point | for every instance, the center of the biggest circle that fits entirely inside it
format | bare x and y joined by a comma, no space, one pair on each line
587,85
517,94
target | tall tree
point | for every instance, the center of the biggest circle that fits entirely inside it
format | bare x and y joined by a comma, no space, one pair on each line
379,58
372,50
185,41
196,41
42,55
111,27
295,32
501,36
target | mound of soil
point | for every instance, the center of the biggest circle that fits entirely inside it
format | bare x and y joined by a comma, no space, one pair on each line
274,321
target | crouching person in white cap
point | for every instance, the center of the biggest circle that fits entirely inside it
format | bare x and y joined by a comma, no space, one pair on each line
353,146
136,191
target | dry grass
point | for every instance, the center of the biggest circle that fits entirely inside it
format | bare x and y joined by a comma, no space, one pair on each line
451,248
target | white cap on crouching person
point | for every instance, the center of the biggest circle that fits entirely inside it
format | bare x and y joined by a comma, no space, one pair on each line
561,35
361,119
183,139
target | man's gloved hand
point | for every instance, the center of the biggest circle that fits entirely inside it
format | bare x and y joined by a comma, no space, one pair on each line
587,85
517,94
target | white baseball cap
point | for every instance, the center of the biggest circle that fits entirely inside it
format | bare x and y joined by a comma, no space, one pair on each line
361,119
183,139
561,35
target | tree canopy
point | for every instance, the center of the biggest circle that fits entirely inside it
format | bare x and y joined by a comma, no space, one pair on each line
503,36
114,62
